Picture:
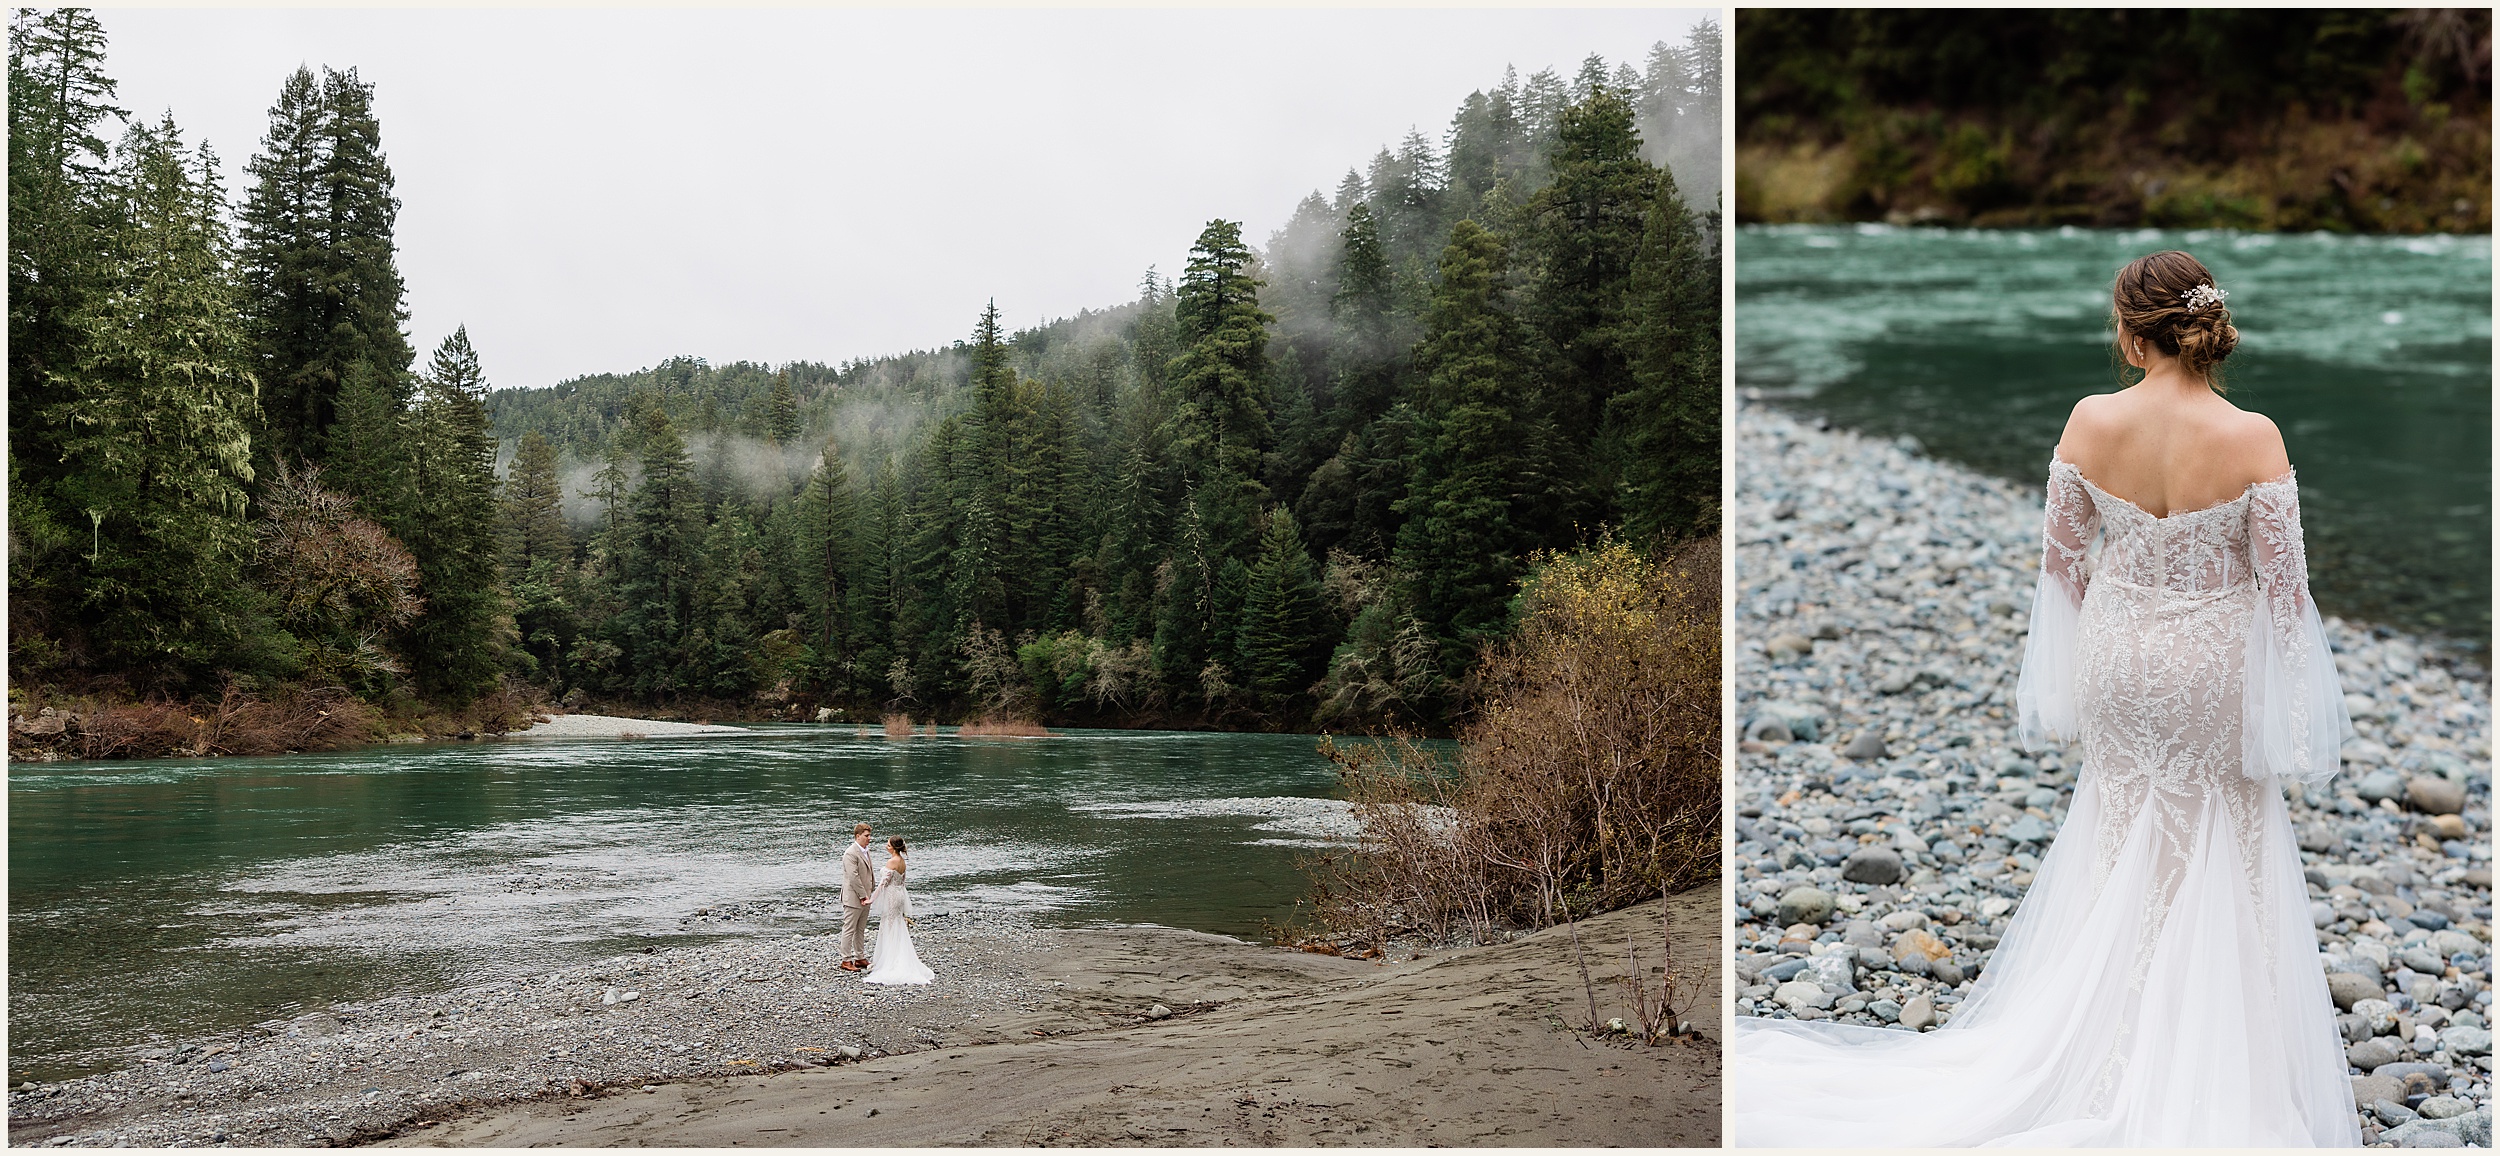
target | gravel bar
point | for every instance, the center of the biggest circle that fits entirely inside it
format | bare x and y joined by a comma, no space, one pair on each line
360,1071
608,726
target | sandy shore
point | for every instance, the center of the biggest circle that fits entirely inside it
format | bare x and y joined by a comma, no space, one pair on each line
1030,1036
608,726
1266,1047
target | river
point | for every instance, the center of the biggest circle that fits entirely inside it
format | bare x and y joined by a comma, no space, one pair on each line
155,900
2373,354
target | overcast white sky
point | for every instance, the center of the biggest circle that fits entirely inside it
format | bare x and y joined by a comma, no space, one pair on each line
599,190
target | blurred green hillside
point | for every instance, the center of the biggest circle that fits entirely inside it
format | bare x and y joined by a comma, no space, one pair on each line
2347,120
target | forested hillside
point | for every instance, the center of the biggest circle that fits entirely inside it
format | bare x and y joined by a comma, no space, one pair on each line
1293,483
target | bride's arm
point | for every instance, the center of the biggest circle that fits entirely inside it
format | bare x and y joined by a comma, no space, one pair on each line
2044,697
2293,722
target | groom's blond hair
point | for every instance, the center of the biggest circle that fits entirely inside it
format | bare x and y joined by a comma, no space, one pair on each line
858,828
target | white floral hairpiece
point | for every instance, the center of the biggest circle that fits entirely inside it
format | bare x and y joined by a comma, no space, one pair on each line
2204,295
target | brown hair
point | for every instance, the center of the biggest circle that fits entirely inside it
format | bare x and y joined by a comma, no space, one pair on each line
896,843
2150,302
860,828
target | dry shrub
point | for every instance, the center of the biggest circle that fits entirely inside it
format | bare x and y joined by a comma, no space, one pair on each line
1659,1008
138,730
239,723
342,583
1001,728
898,726
510,707
319,719
1417,868
1588,781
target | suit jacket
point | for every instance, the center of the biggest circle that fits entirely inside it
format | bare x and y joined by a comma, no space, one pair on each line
859,877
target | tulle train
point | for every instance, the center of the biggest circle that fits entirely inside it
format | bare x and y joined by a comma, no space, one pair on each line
2165,993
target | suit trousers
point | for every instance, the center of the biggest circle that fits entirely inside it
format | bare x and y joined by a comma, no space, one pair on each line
854,931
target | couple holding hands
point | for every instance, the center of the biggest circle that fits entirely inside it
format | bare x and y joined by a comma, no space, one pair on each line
871,888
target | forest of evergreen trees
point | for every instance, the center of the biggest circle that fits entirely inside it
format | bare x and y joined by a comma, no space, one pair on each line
1291,485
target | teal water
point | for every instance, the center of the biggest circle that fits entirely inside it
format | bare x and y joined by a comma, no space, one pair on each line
161,899
2373,354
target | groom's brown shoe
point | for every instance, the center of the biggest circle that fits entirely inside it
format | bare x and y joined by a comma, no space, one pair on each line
853,965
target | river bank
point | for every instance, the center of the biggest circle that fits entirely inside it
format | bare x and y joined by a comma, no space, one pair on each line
1030,1036
2334,120
41,731
1877,640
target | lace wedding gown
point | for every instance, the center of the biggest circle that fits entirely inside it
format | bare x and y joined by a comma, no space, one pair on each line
894,960
2159,984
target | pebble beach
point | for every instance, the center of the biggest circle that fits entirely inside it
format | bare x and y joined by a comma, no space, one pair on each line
359,1071
1887,822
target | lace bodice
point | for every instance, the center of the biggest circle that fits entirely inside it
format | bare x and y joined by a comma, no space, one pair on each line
2247,547
892,897
2204,551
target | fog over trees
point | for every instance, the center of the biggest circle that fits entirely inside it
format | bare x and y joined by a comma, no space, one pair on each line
1296,481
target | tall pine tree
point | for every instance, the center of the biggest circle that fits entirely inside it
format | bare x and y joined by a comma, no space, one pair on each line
63,218
324,301
1670,416
538,557
1464,540
657,564
1219,381
1581,233
154,424
827,522
1284,629
456,649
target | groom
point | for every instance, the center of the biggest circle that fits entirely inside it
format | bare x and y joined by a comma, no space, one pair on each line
859,878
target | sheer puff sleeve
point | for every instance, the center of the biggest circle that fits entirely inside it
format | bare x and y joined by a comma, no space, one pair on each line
2293,726
2044,697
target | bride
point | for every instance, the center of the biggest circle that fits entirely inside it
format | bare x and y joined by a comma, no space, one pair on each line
2160,983
894,961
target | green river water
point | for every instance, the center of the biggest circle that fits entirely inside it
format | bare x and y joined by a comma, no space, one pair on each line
2373,354
155,900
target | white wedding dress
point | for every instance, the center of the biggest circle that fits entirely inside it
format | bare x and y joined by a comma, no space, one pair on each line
894,961
2160,983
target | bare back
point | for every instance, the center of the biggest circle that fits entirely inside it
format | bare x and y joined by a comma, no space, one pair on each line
2171,450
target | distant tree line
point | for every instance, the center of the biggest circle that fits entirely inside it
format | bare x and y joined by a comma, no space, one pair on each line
2307,118
1286,485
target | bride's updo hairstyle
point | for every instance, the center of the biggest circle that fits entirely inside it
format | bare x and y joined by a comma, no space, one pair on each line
896,843
2167,300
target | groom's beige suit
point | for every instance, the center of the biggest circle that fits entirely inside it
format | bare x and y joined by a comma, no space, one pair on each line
859,880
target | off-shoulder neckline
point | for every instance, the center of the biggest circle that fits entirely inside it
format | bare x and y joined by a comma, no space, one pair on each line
2056,460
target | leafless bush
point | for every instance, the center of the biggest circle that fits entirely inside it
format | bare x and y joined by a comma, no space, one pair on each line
1588,780
1001,728
1416,869
511,706
138,730
1659,1011
238,723
1115,673
997,678
898,726
342,582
